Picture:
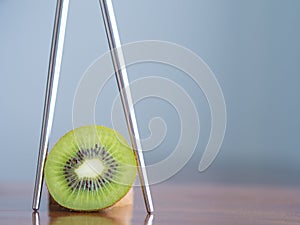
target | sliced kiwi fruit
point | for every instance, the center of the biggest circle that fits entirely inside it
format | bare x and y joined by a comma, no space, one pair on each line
90,168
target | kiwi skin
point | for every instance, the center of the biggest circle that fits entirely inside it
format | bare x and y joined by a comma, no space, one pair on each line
83,199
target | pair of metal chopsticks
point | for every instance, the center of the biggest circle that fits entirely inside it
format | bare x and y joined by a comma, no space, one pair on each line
123,85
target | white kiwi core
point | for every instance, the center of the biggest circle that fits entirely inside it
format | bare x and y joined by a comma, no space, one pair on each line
91,168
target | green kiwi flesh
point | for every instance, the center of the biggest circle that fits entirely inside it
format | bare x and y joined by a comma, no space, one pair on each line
90,168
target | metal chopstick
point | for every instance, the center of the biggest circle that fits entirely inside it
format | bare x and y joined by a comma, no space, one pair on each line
51,93
123,84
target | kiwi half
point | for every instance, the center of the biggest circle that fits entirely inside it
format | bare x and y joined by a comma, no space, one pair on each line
90,168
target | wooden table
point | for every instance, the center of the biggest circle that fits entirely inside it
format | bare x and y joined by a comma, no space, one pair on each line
174,204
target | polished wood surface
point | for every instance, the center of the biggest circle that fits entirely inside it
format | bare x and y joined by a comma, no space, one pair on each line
174,204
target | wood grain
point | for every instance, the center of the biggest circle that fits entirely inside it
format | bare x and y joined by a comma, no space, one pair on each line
174,204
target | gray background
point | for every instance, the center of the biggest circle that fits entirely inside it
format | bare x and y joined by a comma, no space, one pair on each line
252,46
